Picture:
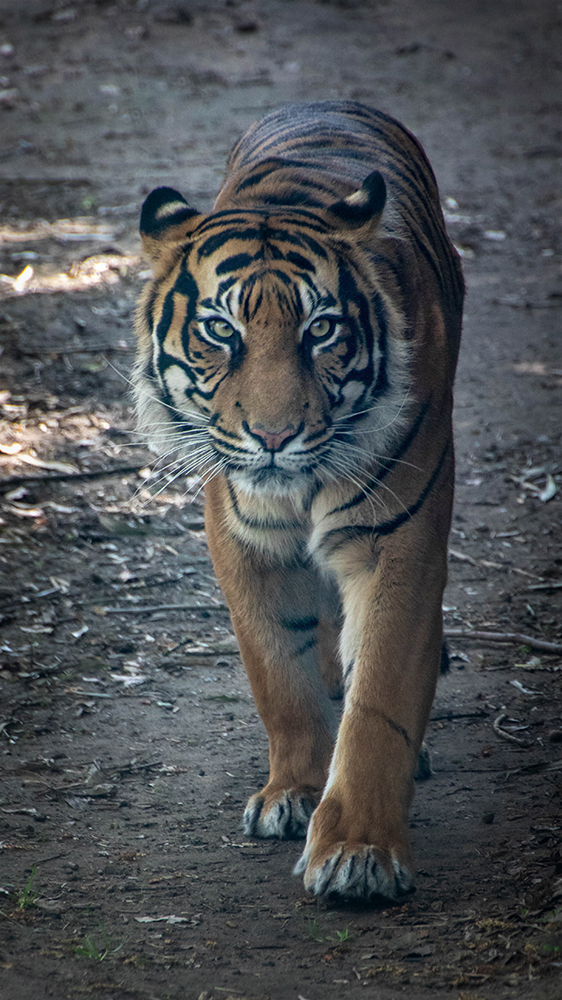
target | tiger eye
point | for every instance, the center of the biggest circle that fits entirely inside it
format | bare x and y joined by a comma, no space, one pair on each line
320,327
220,327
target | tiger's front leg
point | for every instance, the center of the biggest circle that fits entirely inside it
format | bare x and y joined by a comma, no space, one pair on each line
273,603
358,843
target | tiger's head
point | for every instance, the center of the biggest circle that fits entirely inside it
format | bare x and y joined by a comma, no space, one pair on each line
269,350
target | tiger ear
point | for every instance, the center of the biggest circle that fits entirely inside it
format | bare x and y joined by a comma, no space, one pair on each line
361,211
166,219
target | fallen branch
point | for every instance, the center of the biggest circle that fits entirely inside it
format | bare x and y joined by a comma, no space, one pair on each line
450,716
162,607
118,470
508,736
96,349
509,637
462,557
209,651
542,765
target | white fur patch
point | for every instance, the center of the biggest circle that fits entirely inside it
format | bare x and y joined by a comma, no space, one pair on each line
170,208
177,382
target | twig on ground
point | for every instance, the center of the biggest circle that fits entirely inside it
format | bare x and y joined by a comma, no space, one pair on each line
462,557
60,477
449,716
95,349
508,637
537,768
138,609
508,736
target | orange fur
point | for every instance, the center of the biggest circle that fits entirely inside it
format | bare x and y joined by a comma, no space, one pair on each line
299,346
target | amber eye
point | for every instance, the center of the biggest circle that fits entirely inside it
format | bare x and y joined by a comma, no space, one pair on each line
320,328
219,328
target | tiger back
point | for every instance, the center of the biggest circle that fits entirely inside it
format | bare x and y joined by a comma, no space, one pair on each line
297,349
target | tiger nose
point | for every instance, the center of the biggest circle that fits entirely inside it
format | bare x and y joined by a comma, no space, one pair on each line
273,439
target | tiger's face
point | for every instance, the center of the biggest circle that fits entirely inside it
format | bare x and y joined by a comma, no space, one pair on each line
270,362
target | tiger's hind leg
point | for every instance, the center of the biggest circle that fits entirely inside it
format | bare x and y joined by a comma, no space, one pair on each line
274,611
329,628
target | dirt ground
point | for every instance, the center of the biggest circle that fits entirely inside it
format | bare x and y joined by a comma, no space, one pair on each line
130,741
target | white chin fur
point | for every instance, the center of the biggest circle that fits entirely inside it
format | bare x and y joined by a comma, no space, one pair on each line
285,487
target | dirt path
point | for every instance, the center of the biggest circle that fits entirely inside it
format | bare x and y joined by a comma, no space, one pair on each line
130,741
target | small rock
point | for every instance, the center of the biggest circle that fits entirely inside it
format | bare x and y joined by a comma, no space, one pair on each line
66,14
488,818
50,905
246,26
8,97
102,791
174,13
555,735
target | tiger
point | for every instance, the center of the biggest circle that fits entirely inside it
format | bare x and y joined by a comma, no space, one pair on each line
297,351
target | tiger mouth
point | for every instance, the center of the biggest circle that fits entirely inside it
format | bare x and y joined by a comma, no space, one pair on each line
272,471
272,475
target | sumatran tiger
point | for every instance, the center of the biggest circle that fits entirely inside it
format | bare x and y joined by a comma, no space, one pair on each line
297,350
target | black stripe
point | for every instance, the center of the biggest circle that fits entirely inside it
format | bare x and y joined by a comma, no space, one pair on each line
289,823
150,302
233,263
390,526
308,645
300,624
335,863
224,287
291,198
381,384
376,480
316,488
259,175
223,430
317,434
300,261
217,241
266,525
354,531
397,729
235,449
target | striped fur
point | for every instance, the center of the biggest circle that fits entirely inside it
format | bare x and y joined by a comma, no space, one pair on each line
297,349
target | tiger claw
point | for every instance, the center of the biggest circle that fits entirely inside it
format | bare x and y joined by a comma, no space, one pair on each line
356,873
285,815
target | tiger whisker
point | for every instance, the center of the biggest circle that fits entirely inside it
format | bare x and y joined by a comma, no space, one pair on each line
214,472
381,458
139,387
370,409
378,483
370,496
184,468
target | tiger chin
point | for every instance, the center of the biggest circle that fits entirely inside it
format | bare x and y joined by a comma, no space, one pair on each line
297,350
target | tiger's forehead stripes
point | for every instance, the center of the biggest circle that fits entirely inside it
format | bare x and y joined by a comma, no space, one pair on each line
234,263
274,237
273,291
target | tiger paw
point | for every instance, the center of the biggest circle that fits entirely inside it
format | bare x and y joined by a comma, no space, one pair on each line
355,871
352,857
284,813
